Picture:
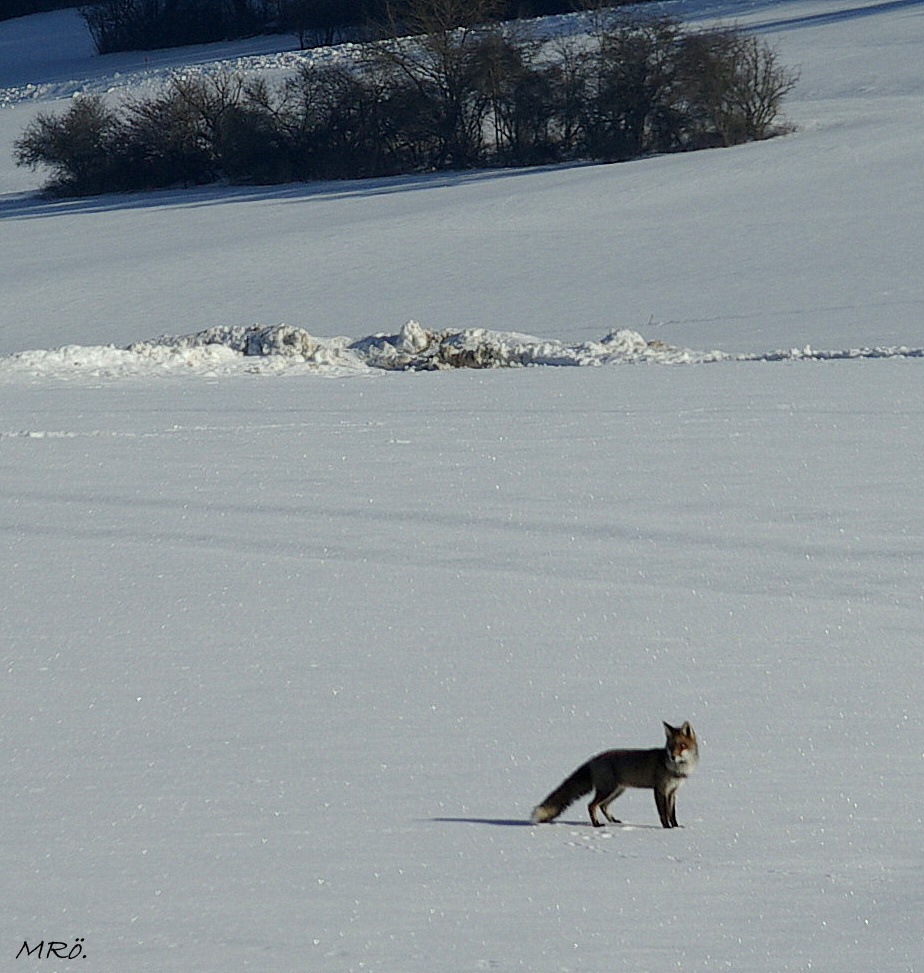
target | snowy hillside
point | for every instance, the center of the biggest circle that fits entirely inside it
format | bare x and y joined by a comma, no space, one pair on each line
297,627
809,240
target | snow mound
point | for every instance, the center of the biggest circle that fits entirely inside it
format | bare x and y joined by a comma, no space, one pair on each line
287,349
416,348
256,341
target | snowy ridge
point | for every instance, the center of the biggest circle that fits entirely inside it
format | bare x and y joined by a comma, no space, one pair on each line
283,348
163,65
155,76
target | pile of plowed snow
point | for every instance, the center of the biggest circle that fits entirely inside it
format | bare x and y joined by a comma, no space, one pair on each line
284,348
415,348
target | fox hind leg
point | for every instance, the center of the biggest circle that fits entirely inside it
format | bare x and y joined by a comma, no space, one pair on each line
603,803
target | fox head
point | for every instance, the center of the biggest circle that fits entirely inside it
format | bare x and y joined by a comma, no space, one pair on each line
682,750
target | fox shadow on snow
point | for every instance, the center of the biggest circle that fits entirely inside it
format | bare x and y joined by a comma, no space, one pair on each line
526,823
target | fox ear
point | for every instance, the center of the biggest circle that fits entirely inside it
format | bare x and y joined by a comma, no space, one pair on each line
668,729
686,729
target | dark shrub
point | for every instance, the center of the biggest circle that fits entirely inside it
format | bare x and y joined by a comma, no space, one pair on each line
734,84
77,147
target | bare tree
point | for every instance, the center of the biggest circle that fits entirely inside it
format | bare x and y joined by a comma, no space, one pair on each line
429,57
735,82
630,101
424,17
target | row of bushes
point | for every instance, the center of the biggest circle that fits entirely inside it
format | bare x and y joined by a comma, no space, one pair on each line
126,25
318,22
22,8
461,98
120,25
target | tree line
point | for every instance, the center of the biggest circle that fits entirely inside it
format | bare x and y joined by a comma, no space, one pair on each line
442,97
119,25
22,8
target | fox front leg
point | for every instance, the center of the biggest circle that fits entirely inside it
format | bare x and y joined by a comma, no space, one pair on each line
667,809
663,812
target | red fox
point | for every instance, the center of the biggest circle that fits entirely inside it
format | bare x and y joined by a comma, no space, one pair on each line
663,769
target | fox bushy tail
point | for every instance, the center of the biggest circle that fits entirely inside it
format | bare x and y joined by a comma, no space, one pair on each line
567,792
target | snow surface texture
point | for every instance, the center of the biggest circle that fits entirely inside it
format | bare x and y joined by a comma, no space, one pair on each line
288,662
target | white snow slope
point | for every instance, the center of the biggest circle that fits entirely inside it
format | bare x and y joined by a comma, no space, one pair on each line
293,642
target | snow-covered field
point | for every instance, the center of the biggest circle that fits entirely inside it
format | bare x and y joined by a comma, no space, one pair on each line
293,643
